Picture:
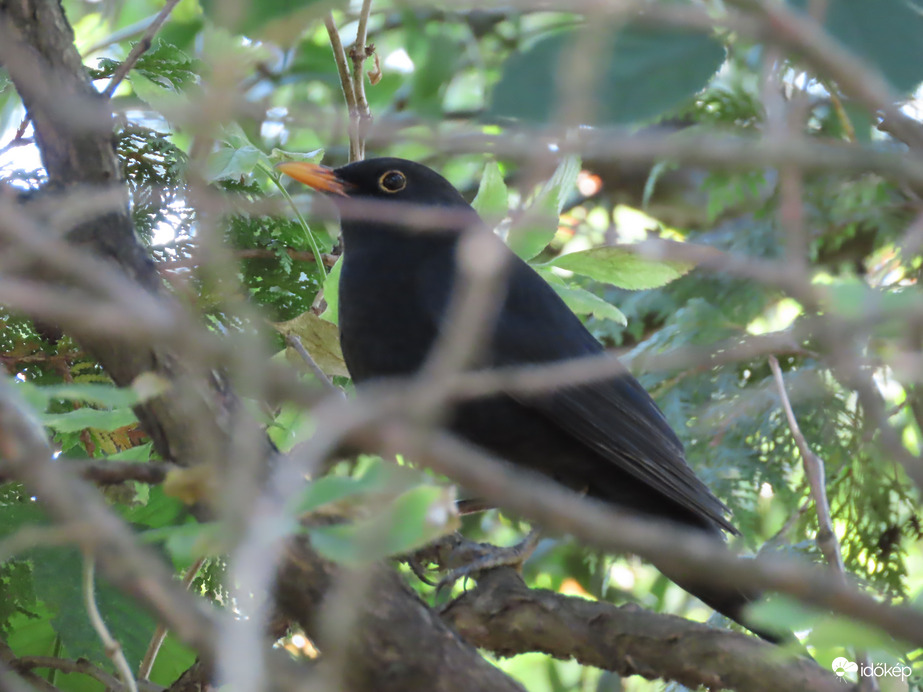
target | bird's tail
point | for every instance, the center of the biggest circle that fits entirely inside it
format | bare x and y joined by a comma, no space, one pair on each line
729,601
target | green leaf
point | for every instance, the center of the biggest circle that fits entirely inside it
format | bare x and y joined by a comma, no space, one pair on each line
281,155
645,72
330,489
620,267
57,574
582,301
492,199
555,192
230,163
30,636
189,542
173,659
15,515
414,519
378,477
528,238
160,510
532,232
74,421
332,293
886,33
145,387
95,394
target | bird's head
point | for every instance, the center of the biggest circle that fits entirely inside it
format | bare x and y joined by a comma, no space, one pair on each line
388,192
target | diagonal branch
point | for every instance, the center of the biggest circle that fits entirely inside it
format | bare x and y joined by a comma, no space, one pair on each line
140,48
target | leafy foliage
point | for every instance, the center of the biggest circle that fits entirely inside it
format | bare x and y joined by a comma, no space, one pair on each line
643,72
201,117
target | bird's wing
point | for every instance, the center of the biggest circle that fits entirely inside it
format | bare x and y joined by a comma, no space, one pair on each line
615,417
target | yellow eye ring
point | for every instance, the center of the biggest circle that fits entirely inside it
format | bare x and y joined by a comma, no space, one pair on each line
392,181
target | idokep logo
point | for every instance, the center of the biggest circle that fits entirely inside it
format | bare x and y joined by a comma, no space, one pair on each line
841,666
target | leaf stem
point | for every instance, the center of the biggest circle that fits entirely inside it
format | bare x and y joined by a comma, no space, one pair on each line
312,241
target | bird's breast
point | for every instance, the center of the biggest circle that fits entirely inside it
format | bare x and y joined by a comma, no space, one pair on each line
386,323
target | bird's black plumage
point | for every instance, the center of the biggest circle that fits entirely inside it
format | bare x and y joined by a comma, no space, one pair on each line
606,438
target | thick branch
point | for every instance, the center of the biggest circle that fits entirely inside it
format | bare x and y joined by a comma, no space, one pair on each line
426,655
504,616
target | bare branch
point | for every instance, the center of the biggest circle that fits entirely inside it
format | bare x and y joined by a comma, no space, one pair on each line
293,341
814,471
111,472
140,48
160,632
361,118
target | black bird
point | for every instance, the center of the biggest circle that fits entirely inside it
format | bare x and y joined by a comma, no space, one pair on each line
606,438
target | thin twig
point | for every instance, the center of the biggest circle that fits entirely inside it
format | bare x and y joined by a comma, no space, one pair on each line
160,632
349,93
296,344
112,647
360,117
814,470
140,48
17,142
81,665
29,537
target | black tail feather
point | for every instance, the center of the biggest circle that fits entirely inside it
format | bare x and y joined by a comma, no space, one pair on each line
729,601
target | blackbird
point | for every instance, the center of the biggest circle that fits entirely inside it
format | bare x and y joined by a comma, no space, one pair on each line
606,438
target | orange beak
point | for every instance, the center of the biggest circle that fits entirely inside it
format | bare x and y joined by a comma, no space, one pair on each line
320,178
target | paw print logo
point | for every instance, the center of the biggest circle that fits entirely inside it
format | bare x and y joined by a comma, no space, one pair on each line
841,666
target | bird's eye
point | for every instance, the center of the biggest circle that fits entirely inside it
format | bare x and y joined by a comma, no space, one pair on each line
392,181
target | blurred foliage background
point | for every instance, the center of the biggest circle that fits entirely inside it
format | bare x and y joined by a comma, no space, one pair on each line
225,85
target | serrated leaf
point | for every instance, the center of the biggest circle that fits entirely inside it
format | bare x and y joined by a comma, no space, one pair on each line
582,301
538,224
231,164
621,267
321,339
529,238
492,199
646,71
559,187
